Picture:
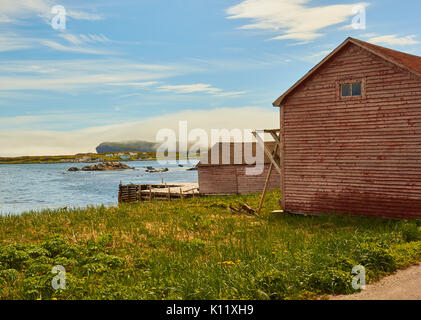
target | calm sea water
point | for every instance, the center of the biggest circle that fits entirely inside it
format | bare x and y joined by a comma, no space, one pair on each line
25,187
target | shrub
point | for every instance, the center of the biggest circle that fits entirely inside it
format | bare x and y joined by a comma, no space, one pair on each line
112,262
14,257
377,258
55,245
105,240
272,284
330,280
37,286
344,264
411,232
36,251
8,276
195,244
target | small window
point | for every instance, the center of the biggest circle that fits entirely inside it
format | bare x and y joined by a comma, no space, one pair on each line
351,89
356,89
346,90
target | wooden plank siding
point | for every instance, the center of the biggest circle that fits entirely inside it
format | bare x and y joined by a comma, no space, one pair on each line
232,179
359,155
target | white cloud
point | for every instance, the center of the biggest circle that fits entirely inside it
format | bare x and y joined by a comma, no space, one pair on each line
60,47
19,120
316,56
291,19
393,40
36,142
80,44
135,84
76,75
80,15
5,19
84,38
231,93
12,42
13,10
24,8
190,88
79,74
199,88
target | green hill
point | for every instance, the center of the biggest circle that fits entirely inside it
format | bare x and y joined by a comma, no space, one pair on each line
140,146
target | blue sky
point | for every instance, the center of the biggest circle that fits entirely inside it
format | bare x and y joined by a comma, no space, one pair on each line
123,69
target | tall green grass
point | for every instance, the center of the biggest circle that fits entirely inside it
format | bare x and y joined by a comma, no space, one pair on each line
196,249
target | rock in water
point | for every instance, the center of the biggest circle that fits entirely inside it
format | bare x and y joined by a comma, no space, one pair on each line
73,169
153,170
104,166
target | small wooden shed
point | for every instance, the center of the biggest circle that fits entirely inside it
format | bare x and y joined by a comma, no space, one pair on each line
351,134
230,177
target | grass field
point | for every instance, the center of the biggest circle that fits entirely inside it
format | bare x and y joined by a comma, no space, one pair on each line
196,249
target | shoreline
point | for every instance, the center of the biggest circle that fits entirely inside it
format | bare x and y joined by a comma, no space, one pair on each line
70,208
65,160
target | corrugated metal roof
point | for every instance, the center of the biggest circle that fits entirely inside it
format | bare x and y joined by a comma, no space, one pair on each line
236,153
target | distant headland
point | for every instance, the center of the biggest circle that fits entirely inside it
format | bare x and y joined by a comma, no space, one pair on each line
137,146
106,152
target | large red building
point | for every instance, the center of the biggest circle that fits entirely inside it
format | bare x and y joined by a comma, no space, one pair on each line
351,134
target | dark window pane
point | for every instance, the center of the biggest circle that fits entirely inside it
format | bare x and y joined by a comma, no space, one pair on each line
346,90
356,89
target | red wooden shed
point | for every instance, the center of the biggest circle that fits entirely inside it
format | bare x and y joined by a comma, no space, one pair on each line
351,135
230,177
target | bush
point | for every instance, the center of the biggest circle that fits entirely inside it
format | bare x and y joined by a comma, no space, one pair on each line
272,284
13,257
55,245
377,258
195,244
330,280
109,261
38,286
8,276
411,232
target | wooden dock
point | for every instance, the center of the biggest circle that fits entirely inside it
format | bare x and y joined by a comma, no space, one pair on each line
143,192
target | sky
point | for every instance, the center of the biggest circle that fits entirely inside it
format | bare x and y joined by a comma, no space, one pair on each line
122,70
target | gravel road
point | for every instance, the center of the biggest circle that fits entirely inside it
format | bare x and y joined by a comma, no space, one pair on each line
403,285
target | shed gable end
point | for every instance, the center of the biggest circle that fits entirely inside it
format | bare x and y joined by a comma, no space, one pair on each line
351,64
360,155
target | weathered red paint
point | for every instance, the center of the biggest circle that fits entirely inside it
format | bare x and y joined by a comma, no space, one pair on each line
359,155
231,178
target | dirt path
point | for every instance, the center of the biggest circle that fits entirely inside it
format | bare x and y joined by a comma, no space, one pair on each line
403,285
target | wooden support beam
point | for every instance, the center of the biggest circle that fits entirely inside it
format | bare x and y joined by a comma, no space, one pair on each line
268,152
265,189
276,135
